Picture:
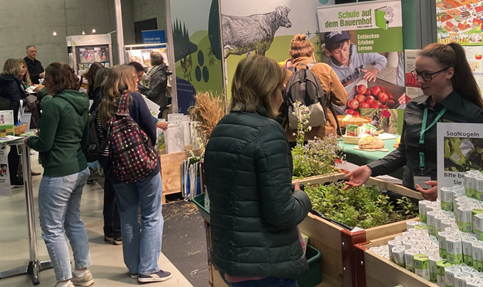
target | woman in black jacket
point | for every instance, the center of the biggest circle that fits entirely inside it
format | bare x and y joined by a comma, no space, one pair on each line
248,167
10,96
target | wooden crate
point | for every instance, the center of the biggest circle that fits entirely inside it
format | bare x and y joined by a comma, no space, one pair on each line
337,244
171,171
378,271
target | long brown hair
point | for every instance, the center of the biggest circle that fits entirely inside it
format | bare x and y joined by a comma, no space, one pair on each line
254,84
91,74
61,77
453,55
121,80
12,67
301,47
26,77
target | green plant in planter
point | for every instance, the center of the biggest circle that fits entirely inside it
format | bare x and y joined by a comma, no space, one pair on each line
318,156
361,206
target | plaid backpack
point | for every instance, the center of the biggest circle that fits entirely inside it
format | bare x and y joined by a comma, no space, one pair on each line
130,150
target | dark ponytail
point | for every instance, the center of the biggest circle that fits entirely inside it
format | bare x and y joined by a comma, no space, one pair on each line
453,55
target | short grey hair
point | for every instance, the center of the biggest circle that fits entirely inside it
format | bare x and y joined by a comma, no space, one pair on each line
156,58
30,46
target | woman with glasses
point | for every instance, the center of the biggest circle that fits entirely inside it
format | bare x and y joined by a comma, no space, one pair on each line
450,95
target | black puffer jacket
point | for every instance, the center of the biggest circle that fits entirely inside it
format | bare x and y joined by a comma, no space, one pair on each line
10,94
254,213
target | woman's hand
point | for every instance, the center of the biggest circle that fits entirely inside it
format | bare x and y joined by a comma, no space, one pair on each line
296,185
162,125
431,193
358,176
370,75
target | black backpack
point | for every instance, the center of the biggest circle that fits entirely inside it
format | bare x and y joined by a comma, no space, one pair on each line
305,87
95,145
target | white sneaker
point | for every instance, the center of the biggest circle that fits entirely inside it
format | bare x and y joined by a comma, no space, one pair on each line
84,280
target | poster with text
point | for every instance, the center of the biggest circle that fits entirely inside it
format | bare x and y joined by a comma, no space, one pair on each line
412,86
5,188
460,148
474,55
459,21
363,44
6,123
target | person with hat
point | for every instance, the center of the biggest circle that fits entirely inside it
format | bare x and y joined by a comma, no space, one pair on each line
347,63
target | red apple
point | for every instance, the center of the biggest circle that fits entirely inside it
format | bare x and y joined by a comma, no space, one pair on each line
365,105
353,104
368,92
385,107
374,106
356,114
376,90
390,95
350,111
382,89
370,100
383,97
391,103
360,98
379,104
361,89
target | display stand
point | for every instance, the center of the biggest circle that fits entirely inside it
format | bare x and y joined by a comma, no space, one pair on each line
34,266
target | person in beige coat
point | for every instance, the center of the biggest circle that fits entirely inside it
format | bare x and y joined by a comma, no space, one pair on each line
302,51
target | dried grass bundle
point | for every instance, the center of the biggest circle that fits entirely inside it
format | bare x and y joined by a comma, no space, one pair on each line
207,111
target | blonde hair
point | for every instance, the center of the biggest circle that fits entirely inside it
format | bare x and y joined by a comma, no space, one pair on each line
12,67
301,47
26,77
254,84
156,58
120,80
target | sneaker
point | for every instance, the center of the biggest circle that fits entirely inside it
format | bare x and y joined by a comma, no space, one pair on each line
117,240
160,276
133,275
84,280
62,284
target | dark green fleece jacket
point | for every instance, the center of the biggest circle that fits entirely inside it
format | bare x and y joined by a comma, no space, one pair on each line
64,130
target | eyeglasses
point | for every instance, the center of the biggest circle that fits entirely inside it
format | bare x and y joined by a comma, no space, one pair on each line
425,75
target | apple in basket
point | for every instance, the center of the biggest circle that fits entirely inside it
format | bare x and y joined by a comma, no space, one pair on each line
365,105
353,104
374,106
360,98
370,100
368,92
361,89
391,103
376,90
350,111
383,97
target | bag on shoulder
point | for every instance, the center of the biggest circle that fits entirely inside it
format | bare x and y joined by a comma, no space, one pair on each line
95,146
130,150
305,87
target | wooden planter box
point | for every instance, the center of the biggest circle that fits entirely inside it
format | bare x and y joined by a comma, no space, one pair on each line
374,270
337,244
171,171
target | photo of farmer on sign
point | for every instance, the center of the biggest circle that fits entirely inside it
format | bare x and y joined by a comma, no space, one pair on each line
347,63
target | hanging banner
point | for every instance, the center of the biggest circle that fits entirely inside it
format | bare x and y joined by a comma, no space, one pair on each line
363,44
459,21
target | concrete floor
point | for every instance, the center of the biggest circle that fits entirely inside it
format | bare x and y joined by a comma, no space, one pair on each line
108,266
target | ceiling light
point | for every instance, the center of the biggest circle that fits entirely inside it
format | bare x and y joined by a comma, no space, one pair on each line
93,31
54,34
83,32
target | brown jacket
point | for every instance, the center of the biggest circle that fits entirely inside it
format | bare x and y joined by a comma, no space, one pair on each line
334,93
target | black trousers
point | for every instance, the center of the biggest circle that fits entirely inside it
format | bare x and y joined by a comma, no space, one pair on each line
112,221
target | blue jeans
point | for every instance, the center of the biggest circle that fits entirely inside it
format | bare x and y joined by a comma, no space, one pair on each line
266,282
141,245
59,208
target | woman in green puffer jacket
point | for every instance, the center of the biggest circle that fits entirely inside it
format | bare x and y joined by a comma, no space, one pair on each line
254,208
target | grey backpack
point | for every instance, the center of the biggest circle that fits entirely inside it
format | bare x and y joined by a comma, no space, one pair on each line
305,87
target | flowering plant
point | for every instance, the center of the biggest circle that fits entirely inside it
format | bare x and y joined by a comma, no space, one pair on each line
318,156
